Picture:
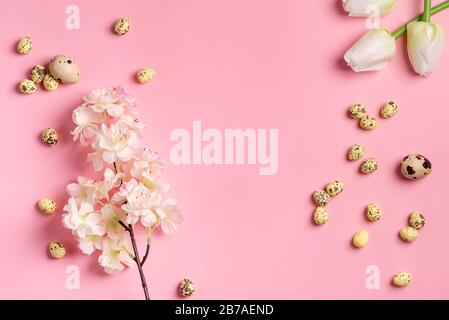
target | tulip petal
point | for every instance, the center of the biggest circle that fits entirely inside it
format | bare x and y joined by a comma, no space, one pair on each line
372,51
425,44
368,8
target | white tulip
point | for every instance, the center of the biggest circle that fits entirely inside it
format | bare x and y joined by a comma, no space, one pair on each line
368,8
425,43
372,51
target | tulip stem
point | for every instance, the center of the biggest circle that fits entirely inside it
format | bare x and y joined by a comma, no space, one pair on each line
426,13
401,30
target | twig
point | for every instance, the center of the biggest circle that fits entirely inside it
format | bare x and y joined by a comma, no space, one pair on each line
123,225
117,170
139,263
137,259
147,251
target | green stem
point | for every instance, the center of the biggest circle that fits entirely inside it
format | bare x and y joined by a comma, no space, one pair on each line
426,13
401,30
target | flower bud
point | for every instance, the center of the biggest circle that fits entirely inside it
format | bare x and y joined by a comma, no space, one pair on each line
368,8
372,51
425,43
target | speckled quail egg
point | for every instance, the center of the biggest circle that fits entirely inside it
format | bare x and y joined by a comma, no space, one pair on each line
356,152
408,234
56,250
360,239
368,122
37,73
402,279
24,45
417,220
369,166
27,86
122,26
186,287
320,215
415,166
357,111
50,136
321,197
145,75
50,83
373,212
64,69
47,206
335,187
389,109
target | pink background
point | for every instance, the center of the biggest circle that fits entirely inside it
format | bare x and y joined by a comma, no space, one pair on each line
230,64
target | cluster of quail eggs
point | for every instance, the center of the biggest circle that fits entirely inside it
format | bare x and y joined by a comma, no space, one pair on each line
61,69
409,234
323,197
416,222
359,111
372,213
48,207
369,165
413,167
121,27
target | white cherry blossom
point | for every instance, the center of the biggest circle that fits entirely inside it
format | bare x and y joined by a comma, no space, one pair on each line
110,180
104,100
103,213
116,142
90,243
82,219
169,215
87,122
84,191
115,256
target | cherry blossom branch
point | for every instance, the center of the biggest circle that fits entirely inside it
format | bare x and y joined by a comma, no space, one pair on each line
116,168
130,185
137,259
123,225
139,263
147,251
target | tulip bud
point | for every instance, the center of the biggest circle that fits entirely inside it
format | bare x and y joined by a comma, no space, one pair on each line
372,51
425,43
368,8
